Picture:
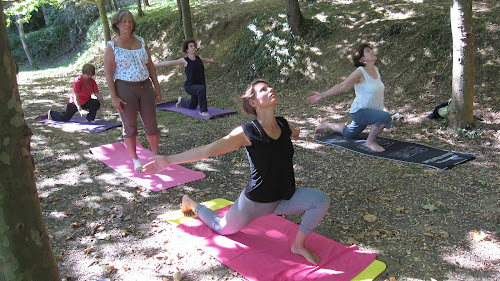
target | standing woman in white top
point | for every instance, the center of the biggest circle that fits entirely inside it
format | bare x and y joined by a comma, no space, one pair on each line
368,106
130,75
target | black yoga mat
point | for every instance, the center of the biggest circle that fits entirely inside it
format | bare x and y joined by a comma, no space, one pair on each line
401,151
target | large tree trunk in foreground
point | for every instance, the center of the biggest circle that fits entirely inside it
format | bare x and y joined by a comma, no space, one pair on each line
25,250
461,112
26,48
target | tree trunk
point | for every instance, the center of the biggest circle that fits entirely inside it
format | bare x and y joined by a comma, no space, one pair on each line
146,3
179,8
101,5
295,18
45,17
461,112
25,250
186,20
140,13
26,48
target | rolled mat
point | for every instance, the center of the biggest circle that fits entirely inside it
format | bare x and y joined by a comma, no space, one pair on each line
214,112
117,157
261,250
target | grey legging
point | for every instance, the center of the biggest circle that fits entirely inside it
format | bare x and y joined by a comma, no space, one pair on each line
313,202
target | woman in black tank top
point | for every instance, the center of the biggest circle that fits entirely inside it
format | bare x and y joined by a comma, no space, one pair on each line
195,77
271,187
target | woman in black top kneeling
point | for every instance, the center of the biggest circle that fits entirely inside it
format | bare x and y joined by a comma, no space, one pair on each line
195,77
271,187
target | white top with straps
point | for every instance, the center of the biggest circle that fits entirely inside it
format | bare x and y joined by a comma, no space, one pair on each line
131,64
369,93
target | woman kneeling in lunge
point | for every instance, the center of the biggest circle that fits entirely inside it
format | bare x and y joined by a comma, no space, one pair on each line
368,106
271,187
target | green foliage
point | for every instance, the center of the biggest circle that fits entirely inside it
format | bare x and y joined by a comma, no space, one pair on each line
45,43
269,49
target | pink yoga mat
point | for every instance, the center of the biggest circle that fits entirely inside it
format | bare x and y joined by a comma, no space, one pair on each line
261,251
116,156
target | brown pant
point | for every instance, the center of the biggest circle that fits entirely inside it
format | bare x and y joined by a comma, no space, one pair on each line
140,98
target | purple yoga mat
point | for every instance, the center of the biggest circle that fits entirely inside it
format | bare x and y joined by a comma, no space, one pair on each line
214,112
78,123
116,156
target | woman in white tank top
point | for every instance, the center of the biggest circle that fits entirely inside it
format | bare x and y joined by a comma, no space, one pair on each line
368,106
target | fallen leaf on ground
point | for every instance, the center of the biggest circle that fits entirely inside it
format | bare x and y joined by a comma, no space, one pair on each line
178,276
429,207
370,218
479,236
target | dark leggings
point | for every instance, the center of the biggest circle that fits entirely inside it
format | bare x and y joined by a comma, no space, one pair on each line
198,95
92,106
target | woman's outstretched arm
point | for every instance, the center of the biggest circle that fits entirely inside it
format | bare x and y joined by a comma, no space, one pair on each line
229,143
176,62
345,85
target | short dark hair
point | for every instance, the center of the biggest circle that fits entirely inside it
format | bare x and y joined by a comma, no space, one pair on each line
118,17
358,54
88,69
186,43
249,95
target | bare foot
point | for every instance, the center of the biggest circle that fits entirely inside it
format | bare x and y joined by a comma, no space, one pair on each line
178,103
188,206
374,146
137,165
48,115
336,127
206,114
306,253
323,126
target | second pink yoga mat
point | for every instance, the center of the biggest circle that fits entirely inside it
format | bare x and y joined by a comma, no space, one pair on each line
116,156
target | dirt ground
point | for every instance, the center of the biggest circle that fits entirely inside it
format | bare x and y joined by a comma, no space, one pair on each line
429,224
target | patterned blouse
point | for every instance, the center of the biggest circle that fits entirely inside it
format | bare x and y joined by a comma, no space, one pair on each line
131,64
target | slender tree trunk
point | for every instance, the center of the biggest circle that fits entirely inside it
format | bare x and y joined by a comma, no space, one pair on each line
186,20
179,8
295,18
101,5
115,5
45,17
461,112
146,3
25,250
26,48
140,13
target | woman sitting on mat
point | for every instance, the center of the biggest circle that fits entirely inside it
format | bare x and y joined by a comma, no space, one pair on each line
271,187
368,106
130,74
81,99
195,77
